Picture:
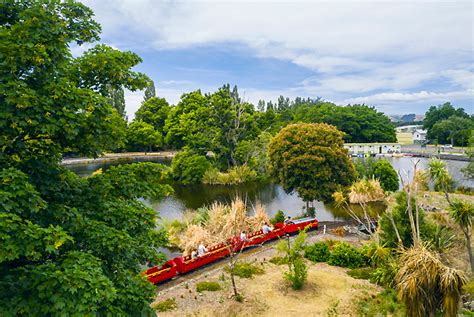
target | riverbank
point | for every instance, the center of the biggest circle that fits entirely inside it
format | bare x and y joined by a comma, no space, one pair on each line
127,156
455,154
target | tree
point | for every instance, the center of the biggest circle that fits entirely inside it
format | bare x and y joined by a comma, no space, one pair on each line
463,212
360,123
309,158
149,91
469,169
386,174
454,130
142,136
440,176
442,112
68,245
297,270
154,111
188,167
116,98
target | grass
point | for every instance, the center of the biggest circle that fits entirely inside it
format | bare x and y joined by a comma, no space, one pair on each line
404,138
246,270
383,304
207,286
166,305
362,273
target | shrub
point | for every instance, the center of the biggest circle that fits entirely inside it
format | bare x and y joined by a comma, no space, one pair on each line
384,275
246,269
278,260
346,255
297,270
339,231
235,175
318,252
166,305
376,254
469,290
383,304
278,218
188,167
363,273
207,286
386,174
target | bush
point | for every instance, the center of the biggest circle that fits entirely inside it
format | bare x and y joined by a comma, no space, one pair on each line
384,275
318,252
376,254
235,175
245,269
278,218
278,260
188,167
298,275
207,286
346,255
383,304
166,305
298,272
386,174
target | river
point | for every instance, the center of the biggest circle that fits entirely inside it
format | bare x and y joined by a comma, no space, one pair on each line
272,196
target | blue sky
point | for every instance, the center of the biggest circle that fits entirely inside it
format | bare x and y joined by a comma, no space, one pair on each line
400,57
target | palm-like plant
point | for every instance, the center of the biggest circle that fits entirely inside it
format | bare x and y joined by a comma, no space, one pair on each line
440,176
426,285
463,212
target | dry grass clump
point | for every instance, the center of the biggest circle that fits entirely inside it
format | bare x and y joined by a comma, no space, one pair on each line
425,284
339,231
366,190
225,221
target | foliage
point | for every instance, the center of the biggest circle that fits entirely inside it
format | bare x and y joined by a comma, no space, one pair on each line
364,167
189,168
254,152
399,214
166,305
246,269
297,270
69,245
317,252
278,260
430,287
149,91
154,111
384,274
446,124
346,255
463,212
469,169
383,304
360,123
442,239
376,254
310,159
469,289
235,175
143,136
208,286
438,172
278,218
362,273
386,174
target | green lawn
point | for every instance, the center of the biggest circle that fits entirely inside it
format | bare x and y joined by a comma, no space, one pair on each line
404,138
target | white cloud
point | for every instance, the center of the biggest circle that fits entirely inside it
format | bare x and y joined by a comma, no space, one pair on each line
386,50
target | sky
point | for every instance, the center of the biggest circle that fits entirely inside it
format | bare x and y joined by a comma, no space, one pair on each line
399,56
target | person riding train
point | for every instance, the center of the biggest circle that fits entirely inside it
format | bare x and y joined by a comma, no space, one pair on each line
266,229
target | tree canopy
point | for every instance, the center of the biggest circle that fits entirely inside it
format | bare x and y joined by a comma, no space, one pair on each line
309,158
69,245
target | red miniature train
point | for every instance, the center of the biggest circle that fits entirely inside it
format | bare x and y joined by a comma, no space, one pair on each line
183,265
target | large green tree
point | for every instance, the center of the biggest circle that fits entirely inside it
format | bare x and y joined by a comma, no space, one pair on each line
154,111
438,113
455,130
142,136
309,158
68,245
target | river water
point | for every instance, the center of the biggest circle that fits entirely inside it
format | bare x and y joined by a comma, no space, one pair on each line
272,196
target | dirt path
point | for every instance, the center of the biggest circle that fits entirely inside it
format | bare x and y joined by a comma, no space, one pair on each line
328,289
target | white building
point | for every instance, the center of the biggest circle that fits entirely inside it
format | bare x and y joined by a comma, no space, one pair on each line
419,136
372,148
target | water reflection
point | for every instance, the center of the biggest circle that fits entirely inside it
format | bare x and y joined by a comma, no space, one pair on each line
272,196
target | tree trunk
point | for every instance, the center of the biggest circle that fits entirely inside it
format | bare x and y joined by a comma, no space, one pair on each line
467,234
232,278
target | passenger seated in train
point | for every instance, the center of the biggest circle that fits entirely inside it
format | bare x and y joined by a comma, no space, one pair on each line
266,229
201,250
193,254
288,221
243,235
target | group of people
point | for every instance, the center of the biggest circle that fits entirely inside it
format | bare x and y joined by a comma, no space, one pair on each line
266,229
